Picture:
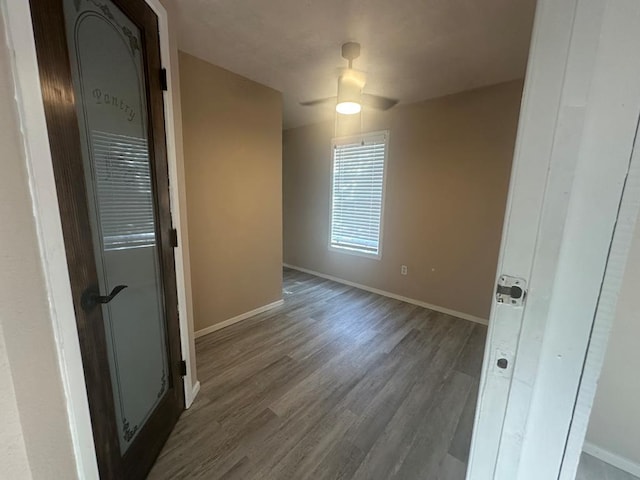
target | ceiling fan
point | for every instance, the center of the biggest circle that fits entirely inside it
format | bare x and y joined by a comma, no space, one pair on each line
351,99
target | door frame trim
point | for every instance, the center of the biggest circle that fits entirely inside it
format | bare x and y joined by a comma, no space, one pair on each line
596,119
21,43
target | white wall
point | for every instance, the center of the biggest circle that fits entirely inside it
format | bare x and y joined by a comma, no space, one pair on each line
615,419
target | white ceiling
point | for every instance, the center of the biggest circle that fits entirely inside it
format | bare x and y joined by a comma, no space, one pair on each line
411,49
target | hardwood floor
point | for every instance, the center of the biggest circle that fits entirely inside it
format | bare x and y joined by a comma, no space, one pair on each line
338,383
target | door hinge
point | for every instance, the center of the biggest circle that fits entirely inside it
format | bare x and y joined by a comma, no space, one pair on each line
173,237
183,368
163,79
511,290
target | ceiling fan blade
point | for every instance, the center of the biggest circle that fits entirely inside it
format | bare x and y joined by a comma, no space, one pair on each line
319,101
375,101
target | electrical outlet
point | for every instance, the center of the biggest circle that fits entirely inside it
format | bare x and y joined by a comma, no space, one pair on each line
403,270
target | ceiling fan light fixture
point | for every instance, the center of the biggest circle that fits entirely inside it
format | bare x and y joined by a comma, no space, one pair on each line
348,108
350,98
349,93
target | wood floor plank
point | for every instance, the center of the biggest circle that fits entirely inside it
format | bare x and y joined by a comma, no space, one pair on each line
452,469
337,383
392,446
238,471
341,461
431,443
310,451
461,442
468,360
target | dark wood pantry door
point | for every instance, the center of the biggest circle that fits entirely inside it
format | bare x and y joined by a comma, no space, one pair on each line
100,74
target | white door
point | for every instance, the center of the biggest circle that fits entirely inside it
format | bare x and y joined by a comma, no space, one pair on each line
577,126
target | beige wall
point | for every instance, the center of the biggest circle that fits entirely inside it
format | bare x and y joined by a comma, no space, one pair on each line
14,455
34,424
232,131
447,177
615,419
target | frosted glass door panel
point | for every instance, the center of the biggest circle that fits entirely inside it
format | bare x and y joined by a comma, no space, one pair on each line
111,100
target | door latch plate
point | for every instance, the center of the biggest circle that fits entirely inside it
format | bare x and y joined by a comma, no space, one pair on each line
511,290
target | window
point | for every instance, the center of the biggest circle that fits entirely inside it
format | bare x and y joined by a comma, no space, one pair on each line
357,193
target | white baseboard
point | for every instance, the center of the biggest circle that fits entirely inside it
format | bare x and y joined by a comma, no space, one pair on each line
448,311
612,459
238,318
192,396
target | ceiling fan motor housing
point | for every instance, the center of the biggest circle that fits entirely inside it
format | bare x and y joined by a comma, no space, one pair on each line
350,51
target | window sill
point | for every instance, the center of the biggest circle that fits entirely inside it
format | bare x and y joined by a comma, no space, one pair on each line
357,253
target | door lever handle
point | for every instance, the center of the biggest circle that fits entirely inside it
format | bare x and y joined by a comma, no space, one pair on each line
90,297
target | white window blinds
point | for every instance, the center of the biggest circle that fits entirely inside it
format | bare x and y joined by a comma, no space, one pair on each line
358,184
123,188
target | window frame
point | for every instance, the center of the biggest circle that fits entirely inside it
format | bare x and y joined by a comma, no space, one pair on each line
345,140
